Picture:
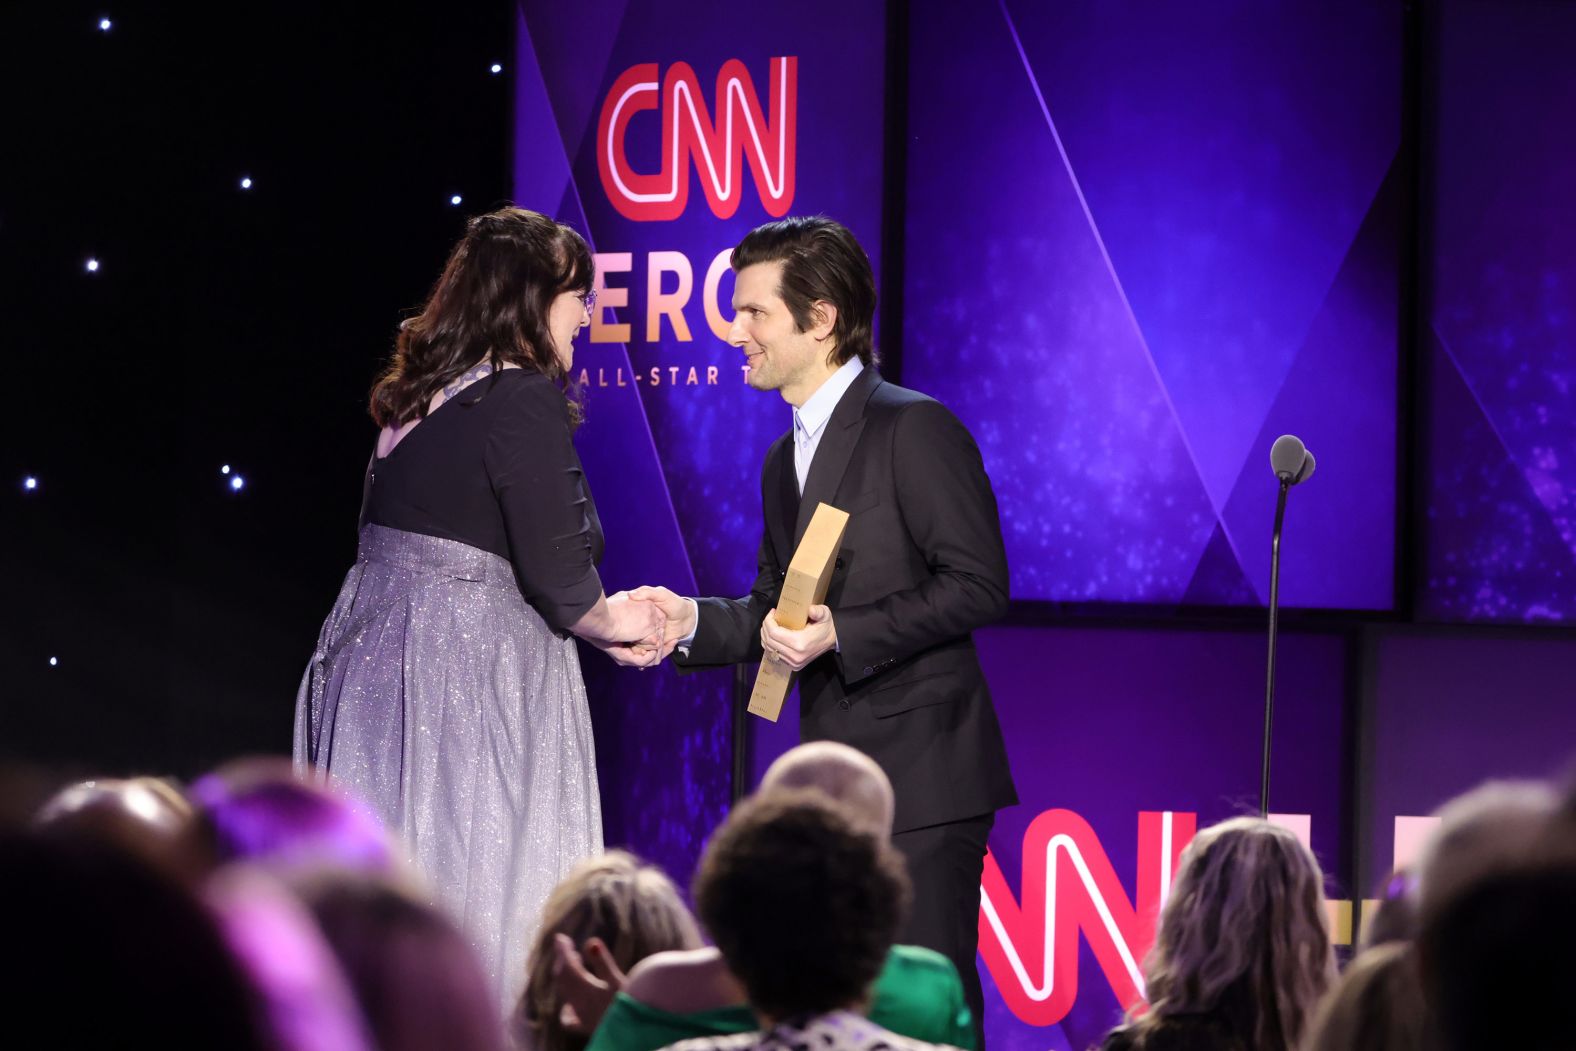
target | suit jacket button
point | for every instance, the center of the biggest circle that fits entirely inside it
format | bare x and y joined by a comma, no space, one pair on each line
869,670
843,704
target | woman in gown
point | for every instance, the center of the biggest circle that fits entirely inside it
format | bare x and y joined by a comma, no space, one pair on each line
445,688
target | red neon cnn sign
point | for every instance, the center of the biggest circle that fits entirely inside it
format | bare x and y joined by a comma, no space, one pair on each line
1070,889
742,132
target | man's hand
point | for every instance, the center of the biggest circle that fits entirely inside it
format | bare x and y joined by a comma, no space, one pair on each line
798,648
585,987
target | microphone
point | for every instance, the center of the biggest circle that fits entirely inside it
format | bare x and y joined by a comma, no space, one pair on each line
1287,456
1290,460
1307,470
1293,464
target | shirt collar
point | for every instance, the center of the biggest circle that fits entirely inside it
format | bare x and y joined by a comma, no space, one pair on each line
813,414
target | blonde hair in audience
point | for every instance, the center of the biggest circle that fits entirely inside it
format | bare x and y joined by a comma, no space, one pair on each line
633,907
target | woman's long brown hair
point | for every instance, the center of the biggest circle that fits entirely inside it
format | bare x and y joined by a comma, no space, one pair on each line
490,304
1245,921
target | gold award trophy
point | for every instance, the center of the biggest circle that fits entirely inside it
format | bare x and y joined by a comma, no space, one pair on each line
809,574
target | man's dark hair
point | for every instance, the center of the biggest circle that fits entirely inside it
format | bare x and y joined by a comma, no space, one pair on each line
804,904
821,261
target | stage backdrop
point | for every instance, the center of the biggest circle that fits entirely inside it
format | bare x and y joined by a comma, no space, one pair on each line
1137,247
665,132
1142,241
1499,342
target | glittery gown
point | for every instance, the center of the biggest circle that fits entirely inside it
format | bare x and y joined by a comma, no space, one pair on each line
444,689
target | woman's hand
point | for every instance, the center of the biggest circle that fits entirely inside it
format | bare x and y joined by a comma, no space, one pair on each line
585,984
638,629
626,629
635,621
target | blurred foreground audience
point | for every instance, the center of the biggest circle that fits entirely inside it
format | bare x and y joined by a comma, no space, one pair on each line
1489,921
1376,1006
1489,829
106,950
258,810
416,980
258,910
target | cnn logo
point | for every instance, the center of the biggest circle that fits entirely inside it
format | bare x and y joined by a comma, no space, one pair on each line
717,148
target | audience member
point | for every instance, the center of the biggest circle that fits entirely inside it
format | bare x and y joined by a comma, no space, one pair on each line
24,788
307,1005
1394,918
847,775
1376,1006
618,911
804,903
144,815
1492,828
1242,955
258,810
1380,1003
108,951
1497,960
417,981
676,995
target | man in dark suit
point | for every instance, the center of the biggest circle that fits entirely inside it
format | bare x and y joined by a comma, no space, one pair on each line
887,664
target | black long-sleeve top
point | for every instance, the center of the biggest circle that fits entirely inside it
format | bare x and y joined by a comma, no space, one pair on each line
494,467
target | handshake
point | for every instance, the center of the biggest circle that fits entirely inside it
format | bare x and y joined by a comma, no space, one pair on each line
648,622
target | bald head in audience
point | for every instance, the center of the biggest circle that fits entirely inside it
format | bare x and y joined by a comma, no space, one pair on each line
845,774
695,980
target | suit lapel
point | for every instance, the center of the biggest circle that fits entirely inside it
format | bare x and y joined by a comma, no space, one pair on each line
781,496
835,450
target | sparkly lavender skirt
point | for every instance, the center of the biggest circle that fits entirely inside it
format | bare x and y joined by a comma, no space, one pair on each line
441,698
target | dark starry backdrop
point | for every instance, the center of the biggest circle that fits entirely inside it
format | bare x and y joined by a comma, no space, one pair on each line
223,326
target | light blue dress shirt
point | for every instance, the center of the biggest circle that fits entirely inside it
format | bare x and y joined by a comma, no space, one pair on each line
809,419
809,423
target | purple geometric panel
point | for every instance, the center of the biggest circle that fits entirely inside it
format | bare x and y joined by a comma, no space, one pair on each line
1339,396
1116,255
1502,292
1228,153
1218,579
1491,551
1014,321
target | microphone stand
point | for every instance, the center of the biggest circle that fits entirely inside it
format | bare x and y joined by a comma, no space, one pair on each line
1269,684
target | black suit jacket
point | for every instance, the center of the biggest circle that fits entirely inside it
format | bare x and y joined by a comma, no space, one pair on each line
922,565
